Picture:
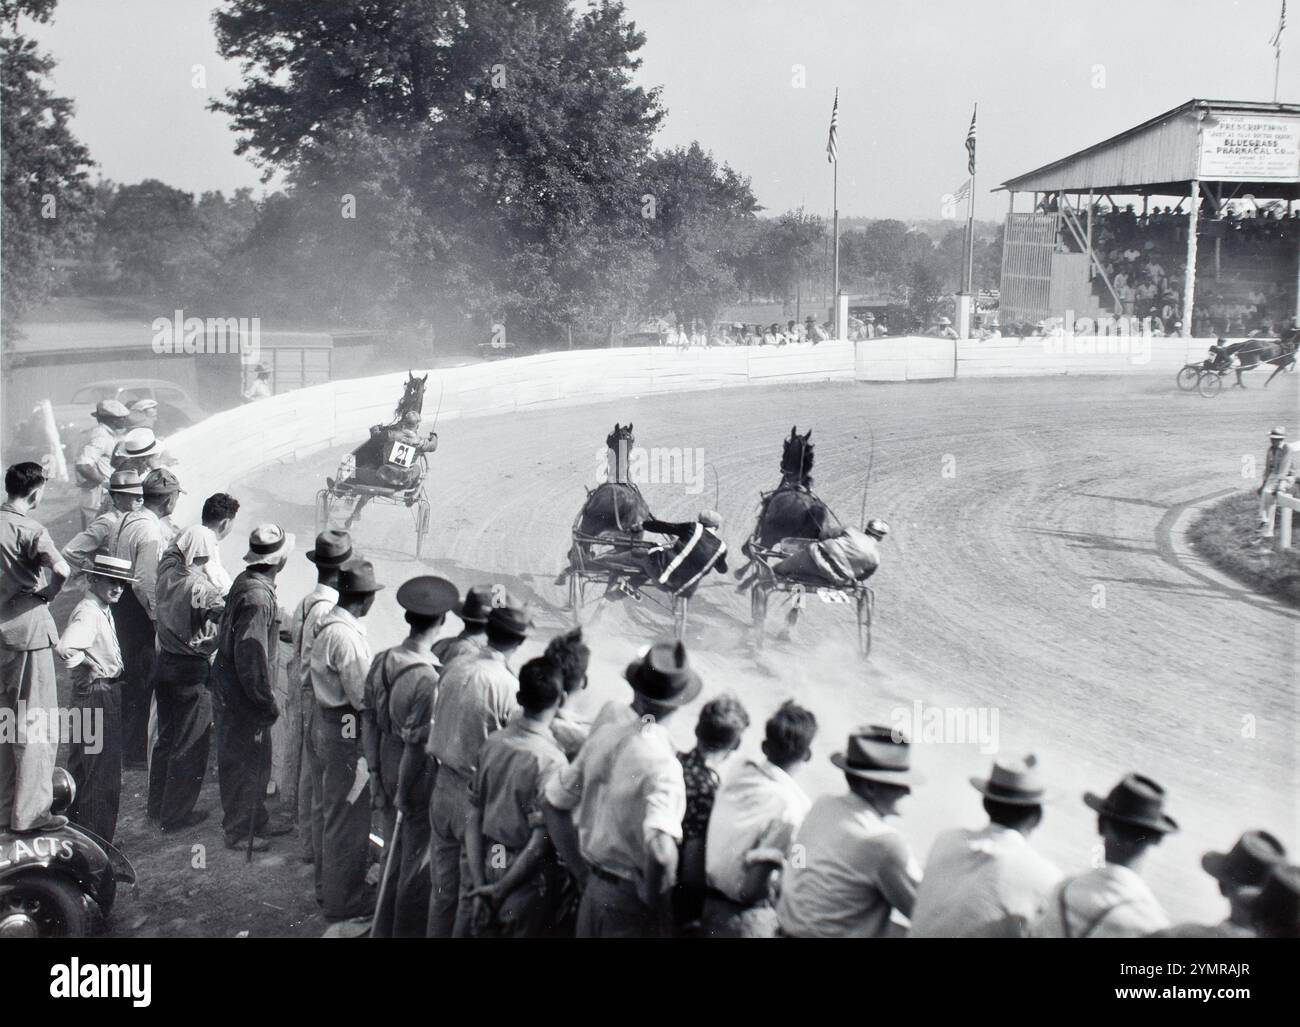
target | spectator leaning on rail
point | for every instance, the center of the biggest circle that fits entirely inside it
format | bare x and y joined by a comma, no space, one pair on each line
1240,873
615,814
90,651
31,574
94,460
988,883
849,869
755,815
1112,901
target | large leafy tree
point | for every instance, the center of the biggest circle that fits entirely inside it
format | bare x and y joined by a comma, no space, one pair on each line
47,196
512,129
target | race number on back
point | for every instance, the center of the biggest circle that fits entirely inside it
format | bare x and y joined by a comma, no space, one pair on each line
402,454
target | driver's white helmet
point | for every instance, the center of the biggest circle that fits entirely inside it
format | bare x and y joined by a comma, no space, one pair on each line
877,527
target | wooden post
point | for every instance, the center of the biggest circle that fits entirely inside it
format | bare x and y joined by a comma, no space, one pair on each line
1284,538
58,464
1189,279
1090,258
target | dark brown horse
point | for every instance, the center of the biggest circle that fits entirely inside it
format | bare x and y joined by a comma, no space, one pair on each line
1251,353
371,452
615,508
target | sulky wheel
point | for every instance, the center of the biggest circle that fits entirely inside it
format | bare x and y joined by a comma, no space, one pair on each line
758,611
680,606
324,500
1209,383
1187,377
423,517
866,607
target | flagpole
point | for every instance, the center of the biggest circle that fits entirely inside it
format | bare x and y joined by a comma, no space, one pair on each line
1277,67
970,238
835,283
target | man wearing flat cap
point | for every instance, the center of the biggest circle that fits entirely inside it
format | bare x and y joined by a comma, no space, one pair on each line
473,613
1112,901
1240,873
400,689
126,494
853,870
475,697
141,537
94,460
988,883
332,550
243,688
340,660
615,814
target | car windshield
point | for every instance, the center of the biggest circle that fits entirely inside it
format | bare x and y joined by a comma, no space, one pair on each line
94,393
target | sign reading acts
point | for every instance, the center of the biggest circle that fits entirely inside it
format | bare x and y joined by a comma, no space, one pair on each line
1250,148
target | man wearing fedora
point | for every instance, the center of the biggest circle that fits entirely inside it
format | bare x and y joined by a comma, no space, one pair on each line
89,649
31,574
475,697
141,537
1240,872
94,460
1112,901
473,614
849,870
1275,912
990,882
1280,470
332,550
188,606
126,494
400,688
243,688
615,813
340,660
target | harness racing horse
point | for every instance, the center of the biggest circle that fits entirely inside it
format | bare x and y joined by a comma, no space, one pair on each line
790,510
614,508
1250,353
371,452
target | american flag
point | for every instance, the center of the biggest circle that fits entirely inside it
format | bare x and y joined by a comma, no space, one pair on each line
832,150
1276,41
970,143
961,192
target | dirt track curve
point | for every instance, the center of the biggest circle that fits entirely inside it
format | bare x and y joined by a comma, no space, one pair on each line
1034,580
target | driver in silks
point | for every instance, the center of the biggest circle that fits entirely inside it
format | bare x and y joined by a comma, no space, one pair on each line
679,566
847,558
398,446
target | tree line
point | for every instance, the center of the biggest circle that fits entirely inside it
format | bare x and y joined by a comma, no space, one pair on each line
459,165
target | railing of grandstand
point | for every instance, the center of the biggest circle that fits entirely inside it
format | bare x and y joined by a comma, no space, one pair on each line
1080,234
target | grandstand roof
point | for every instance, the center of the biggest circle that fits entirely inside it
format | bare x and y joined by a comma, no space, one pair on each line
1256,146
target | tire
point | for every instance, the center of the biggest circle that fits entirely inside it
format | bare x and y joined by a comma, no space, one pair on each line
49,905
866,607
1187,377
1209,383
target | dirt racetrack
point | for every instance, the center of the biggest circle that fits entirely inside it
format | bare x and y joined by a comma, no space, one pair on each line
1033,581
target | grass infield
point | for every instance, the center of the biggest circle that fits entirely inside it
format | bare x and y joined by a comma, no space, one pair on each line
1222,534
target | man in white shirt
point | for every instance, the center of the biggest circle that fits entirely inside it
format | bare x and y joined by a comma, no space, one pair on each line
1112,901
988,883
755,815
848,870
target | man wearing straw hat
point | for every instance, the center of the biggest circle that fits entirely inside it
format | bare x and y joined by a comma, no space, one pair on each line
990,882
340,660
615,814
849,870
243,688
125,495
1112,901
89,648
94,459
1280,470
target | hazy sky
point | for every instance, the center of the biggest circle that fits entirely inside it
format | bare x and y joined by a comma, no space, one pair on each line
1050,76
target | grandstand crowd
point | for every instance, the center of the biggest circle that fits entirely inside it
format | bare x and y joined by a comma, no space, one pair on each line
505,813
